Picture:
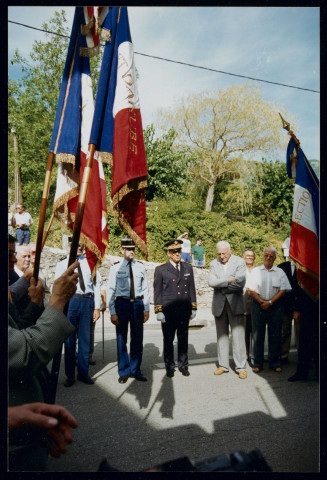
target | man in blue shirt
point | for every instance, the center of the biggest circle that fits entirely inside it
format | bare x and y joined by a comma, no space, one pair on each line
83,309
128,299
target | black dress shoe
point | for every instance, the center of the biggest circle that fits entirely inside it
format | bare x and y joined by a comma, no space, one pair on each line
69,382
139,377
170,373
184,371
123,379
92,362
297,377
85,379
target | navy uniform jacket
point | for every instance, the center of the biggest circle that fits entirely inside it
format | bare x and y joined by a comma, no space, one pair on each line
174,288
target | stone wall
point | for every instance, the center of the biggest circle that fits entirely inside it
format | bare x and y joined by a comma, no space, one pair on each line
50,256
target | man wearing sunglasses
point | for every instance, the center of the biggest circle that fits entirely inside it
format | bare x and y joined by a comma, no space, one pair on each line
175,304
128,299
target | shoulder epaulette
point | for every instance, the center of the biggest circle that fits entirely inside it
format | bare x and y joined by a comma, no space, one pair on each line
140,262
63,258
117,262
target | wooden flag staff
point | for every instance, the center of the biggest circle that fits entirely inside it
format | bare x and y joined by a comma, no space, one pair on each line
45,196
47,231
72,257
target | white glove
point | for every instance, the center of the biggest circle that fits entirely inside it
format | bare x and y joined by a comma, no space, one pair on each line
161,317
193,314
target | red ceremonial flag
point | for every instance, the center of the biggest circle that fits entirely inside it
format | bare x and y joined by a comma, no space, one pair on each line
70,141
117,126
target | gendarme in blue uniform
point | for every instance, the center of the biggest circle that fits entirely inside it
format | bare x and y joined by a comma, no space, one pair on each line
118,300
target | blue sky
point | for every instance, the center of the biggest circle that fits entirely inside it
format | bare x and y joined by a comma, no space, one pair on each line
279,44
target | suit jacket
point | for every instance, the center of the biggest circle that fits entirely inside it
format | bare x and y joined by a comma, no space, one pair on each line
173,288
233,292
29,350
290,298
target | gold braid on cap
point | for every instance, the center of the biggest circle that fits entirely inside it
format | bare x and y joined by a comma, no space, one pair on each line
194,306
157,308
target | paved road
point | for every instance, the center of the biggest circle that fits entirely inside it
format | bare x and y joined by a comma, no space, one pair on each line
138,425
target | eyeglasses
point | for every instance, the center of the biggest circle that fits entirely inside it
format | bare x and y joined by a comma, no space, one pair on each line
176,250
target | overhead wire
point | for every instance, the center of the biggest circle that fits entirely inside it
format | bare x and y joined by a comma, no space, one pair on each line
184,63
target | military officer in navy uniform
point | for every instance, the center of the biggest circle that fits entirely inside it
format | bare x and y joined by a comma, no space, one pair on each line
128,299
175,304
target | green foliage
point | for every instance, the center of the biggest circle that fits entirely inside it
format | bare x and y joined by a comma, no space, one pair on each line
263,189
32,108
274,193
168,219
167,165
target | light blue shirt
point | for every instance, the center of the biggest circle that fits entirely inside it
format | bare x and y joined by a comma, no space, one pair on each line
119,283
87,277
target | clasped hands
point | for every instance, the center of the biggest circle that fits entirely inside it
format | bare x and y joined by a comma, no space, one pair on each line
115,321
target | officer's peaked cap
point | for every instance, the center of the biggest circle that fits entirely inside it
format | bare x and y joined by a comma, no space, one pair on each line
172,244
127,242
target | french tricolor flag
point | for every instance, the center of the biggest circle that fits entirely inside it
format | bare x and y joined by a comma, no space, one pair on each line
304,243
70,140
117,126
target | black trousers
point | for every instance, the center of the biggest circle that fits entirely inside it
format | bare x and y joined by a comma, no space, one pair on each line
176,321
309,338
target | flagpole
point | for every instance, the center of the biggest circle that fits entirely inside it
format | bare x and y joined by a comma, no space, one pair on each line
47,230
45,196
72,257
287,127
81,205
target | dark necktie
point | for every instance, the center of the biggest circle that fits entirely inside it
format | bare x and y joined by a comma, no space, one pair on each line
81,280
132,291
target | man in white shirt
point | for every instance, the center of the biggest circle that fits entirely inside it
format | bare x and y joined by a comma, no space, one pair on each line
23,255
186,248
22,222
267,284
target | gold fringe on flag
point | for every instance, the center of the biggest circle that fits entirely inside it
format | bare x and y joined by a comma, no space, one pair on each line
86,29
89,51
106,157
65,158
312,275
132,186
105,34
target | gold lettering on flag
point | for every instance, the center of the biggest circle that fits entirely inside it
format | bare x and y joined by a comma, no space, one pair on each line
301,205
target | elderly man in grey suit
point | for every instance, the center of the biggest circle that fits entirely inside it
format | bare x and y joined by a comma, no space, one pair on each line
227,277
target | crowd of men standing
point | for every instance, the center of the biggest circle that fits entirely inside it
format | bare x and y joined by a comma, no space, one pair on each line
247,300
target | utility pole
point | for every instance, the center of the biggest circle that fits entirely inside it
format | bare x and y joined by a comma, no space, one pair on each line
18,184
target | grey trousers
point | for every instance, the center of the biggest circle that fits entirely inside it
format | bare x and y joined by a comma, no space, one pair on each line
236,323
